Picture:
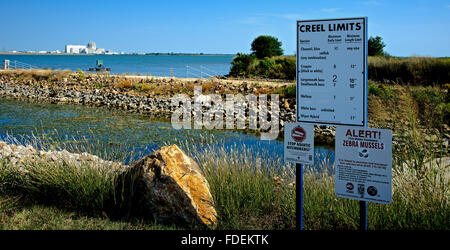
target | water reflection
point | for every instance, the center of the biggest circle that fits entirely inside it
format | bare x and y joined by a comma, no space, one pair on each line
118,131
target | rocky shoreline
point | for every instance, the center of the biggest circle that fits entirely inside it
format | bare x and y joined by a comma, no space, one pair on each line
151,97
21,156
155,107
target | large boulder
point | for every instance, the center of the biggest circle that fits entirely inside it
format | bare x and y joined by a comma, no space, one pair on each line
170,187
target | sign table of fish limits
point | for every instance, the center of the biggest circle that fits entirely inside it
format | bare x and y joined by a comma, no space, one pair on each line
331,67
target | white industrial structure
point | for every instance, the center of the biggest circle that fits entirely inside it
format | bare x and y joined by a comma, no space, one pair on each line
91,48
75,49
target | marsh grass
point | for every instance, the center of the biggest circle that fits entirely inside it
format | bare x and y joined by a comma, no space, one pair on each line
58,196
251,190
84,188
410,70
421,187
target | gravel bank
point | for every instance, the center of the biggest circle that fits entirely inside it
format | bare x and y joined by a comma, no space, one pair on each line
67,90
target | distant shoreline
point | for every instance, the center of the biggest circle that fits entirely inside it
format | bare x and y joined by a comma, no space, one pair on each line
127,54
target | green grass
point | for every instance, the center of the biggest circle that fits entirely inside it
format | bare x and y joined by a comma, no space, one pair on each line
15,215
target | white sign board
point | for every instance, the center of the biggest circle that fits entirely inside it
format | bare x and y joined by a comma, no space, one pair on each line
299,143
363,164
332,71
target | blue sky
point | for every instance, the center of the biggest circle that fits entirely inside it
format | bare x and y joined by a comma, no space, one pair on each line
407,27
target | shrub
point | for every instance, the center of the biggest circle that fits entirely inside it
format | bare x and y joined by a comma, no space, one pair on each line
241,64
142,87
266,68
288,66
381,90
125,83
290,91
81,76
273,68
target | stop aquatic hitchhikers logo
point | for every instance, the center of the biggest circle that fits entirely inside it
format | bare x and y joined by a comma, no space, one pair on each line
298,134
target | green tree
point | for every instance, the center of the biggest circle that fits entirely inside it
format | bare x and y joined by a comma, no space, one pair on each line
376,46
266,46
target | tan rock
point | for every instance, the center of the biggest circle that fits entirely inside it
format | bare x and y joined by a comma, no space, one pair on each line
286,104
173,189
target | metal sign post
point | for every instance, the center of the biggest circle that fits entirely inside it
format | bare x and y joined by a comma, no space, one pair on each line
299,149
363,215
299,194
363,204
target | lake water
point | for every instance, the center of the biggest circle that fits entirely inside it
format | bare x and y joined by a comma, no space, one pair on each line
133,132
157,65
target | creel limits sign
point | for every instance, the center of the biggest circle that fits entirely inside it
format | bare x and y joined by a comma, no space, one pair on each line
332,71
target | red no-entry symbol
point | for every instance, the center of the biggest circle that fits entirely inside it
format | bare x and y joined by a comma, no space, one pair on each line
298,134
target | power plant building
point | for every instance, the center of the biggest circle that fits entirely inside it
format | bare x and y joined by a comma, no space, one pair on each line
91,48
